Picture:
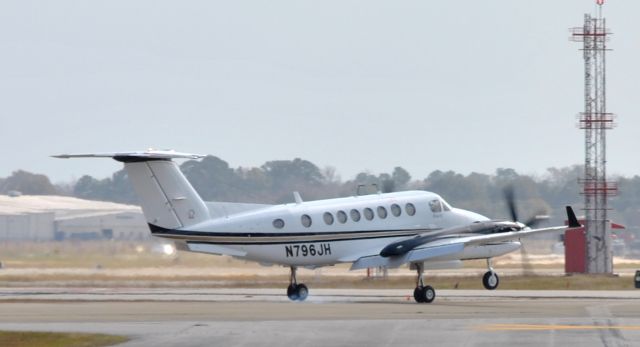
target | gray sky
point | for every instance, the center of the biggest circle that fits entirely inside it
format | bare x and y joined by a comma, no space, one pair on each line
461,85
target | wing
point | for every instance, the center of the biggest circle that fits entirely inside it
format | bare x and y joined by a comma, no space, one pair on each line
448,244
416,255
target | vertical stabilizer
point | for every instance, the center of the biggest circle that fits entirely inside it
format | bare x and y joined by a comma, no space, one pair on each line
167,199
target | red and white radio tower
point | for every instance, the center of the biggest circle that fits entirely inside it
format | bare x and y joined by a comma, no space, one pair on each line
595,120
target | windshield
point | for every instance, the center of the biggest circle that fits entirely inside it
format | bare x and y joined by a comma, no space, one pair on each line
445,205
435,206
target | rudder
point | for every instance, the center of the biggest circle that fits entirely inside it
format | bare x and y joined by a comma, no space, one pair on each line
167,199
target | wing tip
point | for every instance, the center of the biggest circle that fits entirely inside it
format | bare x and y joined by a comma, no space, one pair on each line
572,220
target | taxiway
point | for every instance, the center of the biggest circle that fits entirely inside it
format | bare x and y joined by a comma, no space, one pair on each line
336,317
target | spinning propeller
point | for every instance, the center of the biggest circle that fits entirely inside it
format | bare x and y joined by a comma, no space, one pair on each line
509,197
532,222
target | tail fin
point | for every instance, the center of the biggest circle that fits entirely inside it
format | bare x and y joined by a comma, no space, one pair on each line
168,200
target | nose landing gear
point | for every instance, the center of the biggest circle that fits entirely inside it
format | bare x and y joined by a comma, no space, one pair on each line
490,280
296,291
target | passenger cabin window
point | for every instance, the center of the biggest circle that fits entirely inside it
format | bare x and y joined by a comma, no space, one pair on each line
410,209
436,206
355,215
368,213
382,212
395,210
305,220
278,223
328,218
342,217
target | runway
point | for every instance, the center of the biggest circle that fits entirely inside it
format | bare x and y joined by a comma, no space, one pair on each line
336,317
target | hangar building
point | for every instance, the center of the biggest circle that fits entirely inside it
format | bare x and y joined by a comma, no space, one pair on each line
48,217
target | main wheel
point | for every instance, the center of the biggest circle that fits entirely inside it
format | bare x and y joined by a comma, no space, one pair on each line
429,294
424,294
490,280
292,292
418,294
302,291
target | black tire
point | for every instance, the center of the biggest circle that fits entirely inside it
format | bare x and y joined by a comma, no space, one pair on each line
292,292
424,294
428,294
302,292
418,294
490,280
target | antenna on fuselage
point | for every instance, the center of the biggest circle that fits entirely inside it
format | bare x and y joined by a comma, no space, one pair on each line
366,192
297,197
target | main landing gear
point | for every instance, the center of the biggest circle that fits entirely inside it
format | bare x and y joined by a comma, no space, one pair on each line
425,293
422,293
490,280
296,291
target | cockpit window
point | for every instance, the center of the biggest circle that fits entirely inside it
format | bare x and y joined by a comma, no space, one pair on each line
435,205
445,206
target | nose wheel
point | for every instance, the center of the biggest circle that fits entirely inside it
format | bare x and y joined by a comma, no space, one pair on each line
490,280
296,291
423,293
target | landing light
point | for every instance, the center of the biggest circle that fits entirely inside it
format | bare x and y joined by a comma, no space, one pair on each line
168,249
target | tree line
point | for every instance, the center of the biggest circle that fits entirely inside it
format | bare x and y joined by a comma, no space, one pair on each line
274,182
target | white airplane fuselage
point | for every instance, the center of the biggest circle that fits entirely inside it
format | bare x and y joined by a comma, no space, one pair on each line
328,239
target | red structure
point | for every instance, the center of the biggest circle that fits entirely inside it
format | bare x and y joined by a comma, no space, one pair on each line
575,248
575,251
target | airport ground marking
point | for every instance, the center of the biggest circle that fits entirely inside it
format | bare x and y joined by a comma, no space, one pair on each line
547,327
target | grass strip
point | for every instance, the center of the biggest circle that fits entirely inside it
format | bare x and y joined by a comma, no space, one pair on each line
49,339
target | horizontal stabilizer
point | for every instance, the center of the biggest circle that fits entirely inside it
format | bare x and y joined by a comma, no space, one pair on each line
130,157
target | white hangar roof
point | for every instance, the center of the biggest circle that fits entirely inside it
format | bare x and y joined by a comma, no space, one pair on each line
63,207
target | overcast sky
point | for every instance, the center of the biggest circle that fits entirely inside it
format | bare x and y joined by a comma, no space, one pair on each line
357,85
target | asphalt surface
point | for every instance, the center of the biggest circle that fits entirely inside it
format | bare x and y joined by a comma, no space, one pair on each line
265,317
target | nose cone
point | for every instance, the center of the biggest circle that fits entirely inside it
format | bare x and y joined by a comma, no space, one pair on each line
469,216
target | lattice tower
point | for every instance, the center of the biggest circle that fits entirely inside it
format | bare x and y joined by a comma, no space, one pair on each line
595,120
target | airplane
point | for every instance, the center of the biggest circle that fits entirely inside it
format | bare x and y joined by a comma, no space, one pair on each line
418,228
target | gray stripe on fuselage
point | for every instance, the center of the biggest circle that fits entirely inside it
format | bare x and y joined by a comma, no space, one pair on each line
257,238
